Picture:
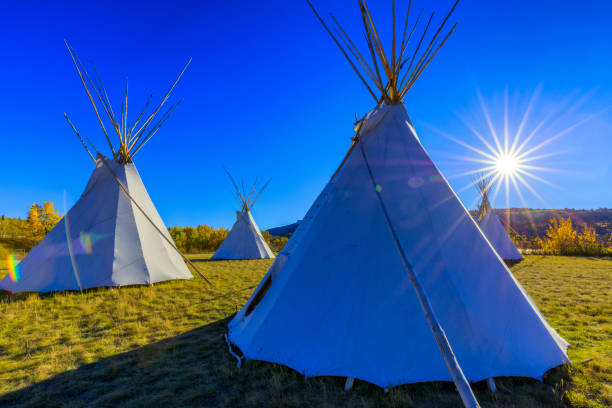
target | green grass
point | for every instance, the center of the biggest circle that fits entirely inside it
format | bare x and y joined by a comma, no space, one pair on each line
162,345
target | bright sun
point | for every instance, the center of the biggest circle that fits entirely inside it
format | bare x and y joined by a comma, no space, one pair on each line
507,164
508,158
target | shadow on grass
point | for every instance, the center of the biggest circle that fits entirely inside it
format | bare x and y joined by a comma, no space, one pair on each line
195,369
178,371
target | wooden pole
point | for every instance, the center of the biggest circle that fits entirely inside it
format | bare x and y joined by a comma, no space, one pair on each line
74,60
79,136
144,126
259,194
462,384
343,52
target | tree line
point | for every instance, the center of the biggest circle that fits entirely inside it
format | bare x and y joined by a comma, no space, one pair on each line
533,222
204,238
561,238
17,233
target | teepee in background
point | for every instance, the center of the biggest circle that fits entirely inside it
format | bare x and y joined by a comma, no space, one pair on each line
491,226
113,235
244,240
388,278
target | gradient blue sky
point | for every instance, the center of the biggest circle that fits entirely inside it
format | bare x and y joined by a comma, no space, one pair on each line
269,95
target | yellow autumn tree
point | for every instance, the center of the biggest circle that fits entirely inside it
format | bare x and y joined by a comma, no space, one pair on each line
35,225
560,238
49,216
587,241
275,243
538,243
41,219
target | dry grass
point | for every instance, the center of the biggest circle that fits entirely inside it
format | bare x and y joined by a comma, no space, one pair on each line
162,345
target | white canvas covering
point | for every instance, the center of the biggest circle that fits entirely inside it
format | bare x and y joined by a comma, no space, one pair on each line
104,240
338,302
244,240
498,237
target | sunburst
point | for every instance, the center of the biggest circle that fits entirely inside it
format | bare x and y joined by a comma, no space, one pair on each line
507,164
509,159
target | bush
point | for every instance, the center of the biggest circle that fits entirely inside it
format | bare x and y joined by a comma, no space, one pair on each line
206,238
201,238
276,244
562,239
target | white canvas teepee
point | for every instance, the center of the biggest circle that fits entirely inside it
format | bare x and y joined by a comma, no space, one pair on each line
244,240
491,225
113,235
388,279
104,240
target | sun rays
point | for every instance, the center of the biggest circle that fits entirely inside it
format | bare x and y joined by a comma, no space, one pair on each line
512,145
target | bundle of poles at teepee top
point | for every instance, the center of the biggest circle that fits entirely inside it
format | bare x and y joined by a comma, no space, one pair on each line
403,68
484,184
131,137
245,199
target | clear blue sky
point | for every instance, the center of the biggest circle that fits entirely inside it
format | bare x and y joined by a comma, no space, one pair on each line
269,95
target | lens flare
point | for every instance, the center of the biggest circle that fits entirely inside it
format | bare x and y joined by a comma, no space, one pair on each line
70,249
86,242
13,267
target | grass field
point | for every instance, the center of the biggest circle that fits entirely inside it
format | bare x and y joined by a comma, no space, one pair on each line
162,345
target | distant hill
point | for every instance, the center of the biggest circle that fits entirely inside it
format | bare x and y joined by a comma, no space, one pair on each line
534,222
526,221
284,231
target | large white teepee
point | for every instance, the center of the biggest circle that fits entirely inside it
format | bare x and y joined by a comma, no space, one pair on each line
244,240
113,235
104,240
388,279
492,227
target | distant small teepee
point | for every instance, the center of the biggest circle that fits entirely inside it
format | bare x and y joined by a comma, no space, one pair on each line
113,235
244,240
491,226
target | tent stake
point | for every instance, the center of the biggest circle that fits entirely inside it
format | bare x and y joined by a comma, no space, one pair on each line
236,356
491,384
349,383
462,384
